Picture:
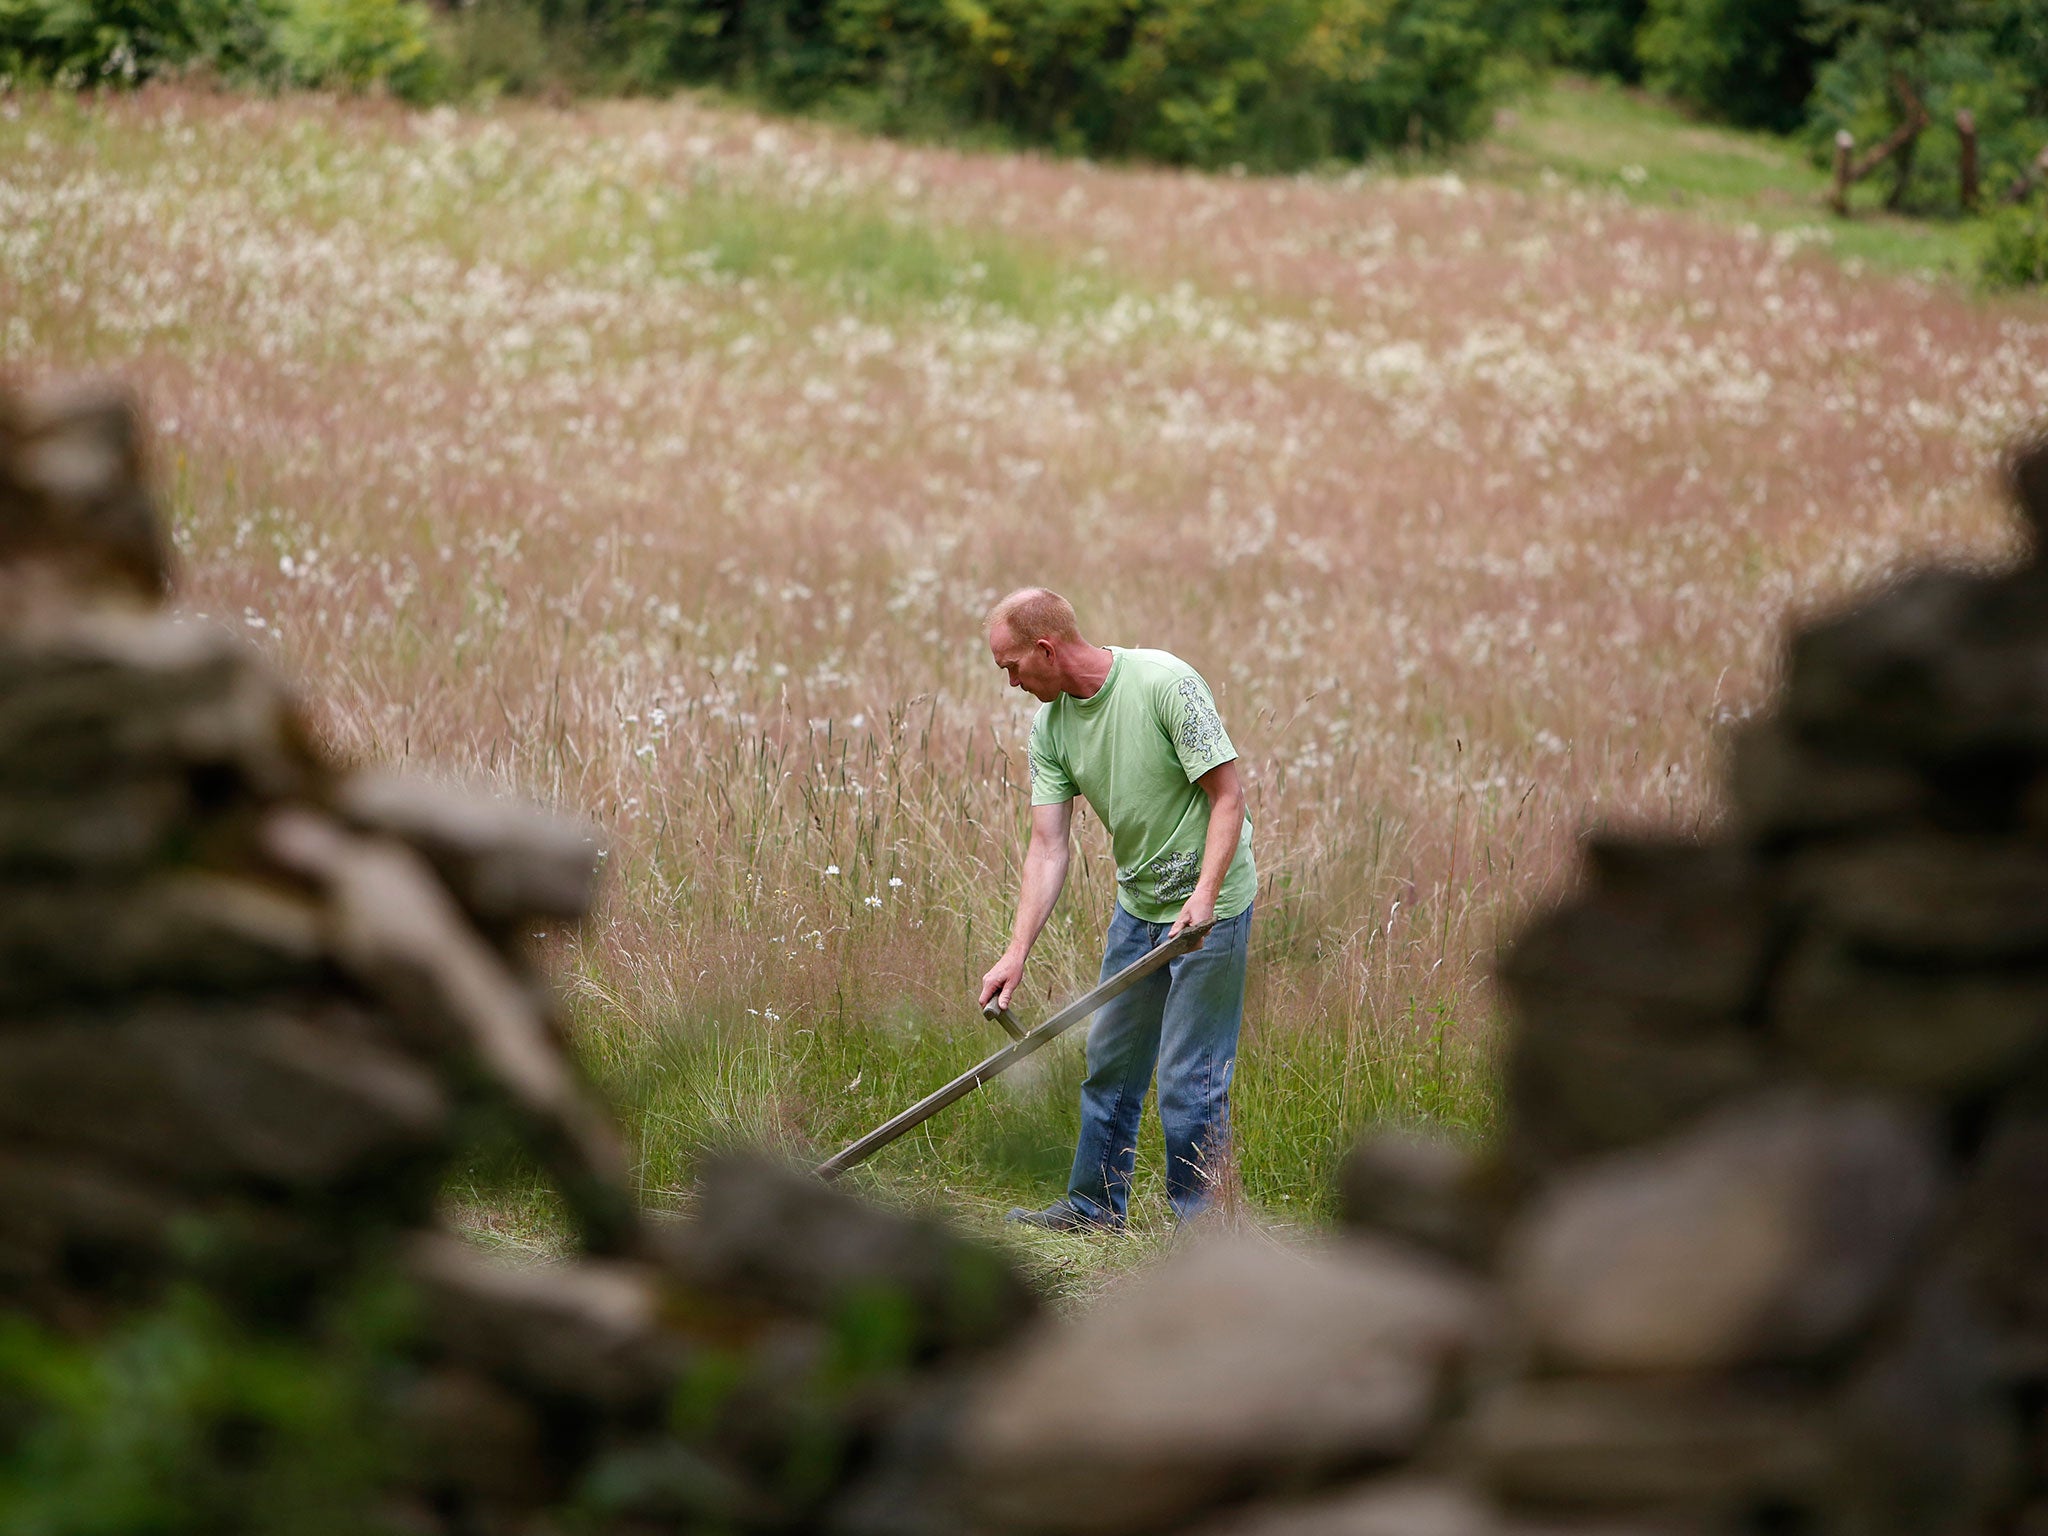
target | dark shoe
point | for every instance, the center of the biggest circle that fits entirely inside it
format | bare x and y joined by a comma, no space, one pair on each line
1059,1217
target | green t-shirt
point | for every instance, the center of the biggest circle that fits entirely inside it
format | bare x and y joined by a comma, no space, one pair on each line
1135,748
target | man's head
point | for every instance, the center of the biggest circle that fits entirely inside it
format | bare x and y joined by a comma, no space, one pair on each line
1030,634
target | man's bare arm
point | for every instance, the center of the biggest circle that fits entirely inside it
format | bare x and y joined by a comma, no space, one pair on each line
1045,873
1219,849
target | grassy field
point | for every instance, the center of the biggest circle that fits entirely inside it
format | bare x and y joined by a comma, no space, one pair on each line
658,461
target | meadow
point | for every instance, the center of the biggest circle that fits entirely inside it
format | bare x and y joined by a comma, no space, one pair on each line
658,461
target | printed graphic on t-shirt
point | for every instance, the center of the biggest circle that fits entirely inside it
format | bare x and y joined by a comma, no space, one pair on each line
1174,875
1200,733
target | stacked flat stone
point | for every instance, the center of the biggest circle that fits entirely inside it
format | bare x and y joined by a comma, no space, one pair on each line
251,1003
1763,1242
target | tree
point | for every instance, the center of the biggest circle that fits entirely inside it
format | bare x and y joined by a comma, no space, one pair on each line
1894,68
1745,61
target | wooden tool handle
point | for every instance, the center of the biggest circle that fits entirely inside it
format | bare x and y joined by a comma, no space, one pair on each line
889,1130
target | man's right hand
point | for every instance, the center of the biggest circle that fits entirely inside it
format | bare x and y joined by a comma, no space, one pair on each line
1000,984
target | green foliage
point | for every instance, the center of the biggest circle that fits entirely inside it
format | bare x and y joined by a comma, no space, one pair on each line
1748,62
1597,36
494,47
1897,27
357,44
1269,84
351,44
184,1423
2015,253
1265,83
121,41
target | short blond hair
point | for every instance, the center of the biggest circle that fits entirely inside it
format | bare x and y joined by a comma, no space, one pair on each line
1033,614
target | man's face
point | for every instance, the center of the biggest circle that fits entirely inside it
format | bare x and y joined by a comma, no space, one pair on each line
1028,666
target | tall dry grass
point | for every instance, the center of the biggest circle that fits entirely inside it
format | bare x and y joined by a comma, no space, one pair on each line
659,461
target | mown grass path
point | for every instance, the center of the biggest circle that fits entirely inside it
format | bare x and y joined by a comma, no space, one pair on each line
659,461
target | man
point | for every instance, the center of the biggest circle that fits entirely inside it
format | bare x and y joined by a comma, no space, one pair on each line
1137,733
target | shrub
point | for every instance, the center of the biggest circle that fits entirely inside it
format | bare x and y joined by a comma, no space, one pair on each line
2015,251
503,46
1267,83
1271,84
350,44
356,44
1598,36
94,42
1749,62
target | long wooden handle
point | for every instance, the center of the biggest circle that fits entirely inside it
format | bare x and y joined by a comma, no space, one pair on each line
1011,1054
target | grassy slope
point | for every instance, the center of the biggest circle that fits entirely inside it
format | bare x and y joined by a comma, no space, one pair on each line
1598,134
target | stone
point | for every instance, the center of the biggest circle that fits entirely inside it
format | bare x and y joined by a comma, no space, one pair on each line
2026,479
74,942
2001,1225
1423,1504
505,862
1928,898
1236,1364
910,1484
1769,1233
1946,670
1590,1083
67,1221
1694,1448
1422,1187
779,1235
1669,929
467,1438
1634,1003
585,1333
400,935
119,832
1928,1443
81,1237
221,1096
1909,1028
1394,1505
72,491
1783,788
109,696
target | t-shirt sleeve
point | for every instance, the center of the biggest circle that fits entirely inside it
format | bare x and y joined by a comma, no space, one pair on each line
1051,784
1189,714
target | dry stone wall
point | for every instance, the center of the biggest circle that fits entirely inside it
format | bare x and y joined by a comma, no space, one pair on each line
1759,1247
250,1004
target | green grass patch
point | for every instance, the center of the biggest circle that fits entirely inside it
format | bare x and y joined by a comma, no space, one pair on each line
1600,134
852,253
802,1089
503,194
805,1087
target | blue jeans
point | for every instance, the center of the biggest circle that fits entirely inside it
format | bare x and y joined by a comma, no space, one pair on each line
1184,1019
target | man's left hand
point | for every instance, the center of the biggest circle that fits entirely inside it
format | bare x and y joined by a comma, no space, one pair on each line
1199,910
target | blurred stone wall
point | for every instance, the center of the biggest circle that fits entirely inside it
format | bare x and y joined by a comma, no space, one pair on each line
1758,1248
253,1004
